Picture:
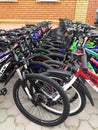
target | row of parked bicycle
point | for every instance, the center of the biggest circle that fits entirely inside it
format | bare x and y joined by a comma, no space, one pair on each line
53,65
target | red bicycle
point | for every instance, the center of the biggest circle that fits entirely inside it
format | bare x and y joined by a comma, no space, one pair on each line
89,77
79,70
72,79
84,72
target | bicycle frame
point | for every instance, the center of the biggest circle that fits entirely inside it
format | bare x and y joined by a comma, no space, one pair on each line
4,57
90,51
93,48
89,76
6,62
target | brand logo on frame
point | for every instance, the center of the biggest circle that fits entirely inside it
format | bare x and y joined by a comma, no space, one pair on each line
3,69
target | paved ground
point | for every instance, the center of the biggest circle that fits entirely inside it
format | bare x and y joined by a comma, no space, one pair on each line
7,27
12,119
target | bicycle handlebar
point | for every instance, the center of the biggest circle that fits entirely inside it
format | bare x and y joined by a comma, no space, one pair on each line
84,62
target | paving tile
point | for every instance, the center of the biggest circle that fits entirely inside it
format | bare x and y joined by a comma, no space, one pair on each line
72,121
20,127
3,115
84,125
13,110
59,127
84,115
6,104
46,128
91,109
96,103
9,124
33,126
21,119
72,128
95,95
93,120
2,99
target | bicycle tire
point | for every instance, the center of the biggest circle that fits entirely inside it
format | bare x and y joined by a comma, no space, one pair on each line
40,57
38,66
81,101
53,122
46,46
55,56
54,50
54,63
41,51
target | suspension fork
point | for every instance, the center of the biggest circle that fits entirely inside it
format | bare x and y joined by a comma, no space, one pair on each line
81,86
69,84
24,84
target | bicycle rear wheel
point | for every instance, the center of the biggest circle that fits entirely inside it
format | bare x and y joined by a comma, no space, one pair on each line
46,94
77,99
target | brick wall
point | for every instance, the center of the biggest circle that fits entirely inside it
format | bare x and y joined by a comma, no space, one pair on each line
28,11
81,10
90,18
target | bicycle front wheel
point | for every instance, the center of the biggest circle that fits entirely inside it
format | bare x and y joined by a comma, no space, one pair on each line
49,105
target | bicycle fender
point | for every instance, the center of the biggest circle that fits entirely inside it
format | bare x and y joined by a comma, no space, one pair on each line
58,73
84,89
62,74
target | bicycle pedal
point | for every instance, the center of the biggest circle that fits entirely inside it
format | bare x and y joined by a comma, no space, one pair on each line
3,91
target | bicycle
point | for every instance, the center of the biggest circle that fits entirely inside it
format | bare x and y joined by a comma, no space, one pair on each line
43,93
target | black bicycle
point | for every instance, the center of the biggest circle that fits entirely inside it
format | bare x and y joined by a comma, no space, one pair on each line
33,94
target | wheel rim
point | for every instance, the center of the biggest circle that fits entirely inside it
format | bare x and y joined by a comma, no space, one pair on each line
75,104
40,111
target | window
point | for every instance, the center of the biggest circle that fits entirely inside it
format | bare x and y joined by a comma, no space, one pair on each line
48,0
8,0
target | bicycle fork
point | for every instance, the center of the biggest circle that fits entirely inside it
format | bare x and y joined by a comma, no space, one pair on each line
81,86
24,84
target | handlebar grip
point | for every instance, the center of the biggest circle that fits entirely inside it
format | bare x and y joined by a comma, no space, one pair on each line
84,63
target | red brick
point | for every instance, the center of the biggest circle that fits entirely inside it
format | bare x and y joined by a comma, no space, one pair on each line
30,9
